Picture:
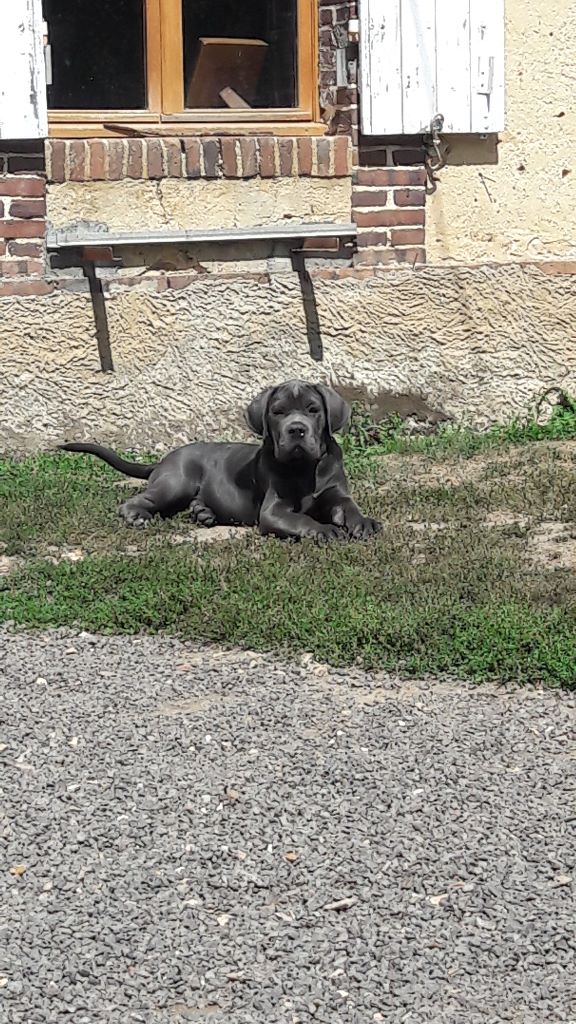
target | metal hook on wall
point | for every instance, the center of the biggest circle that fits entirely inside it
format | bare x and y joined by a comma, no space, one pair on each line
436,151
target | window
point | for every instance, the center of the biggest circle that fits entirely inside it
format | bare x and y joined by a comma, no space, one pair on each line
170,61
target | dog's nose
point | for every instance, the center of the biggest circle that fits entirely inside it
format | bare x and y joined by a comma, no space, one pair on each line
297,429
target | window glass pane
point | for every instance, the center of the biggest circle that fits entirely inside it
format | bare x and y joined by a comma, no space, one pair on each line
98,54
239,55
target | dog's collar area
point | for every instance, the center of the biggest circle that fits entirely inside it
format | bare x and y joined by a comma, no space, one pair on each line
304,460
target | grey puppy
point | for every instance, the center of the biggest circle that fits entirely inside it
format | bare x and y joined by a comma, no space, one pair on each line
293,485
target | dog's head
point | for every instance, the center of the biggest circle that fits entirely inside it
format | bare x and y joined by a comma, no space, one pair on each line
298,419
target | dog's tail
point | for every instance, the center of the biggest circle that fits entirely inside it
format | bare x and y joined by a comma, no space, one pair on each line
139,470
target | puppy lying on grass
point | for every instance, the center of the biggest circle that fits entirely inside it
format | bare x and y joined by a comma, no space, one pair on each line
293,485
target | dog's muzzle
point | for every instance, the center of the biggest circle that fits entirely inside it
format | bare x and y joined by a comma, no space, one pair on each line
297,441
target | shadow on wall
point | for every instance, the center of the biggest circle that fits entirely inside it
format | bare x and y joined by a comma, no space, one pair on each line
383,405
460,150
471,150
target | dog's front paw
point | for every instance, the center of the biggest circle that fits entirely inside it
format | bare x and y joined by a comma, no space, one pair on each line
357,526
325,533
366,528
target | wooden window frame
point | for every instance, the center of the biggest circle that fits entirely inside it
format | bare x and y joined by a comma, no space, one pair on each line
166,114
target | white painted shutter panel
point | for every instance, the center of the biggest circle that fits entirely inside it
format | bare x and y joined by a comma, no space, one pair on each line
419,58
23,113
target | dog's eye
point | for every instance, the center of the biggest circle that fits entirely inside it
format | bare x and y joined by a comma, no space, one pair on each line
313,409
277,411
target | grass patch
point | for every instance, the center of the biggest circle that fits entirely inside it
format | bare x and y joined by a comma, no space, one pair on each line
440,591
365,438
465,609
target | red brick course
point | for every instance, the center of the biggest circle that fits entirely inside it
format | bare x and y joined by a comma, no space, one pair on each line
249,157
388,177
212,158
22,228
33,249
135,161
173,157
21,268
404,157
20,187
409,197
305,157
388,218
155,161
202,157
287,149
268,158
341,156
231,164
193,150
16,287
369,239
407,236
370,197
28,208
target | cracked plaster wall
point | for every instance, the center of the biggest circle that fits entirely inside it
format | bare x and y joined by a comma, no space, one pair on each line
189,203
480,344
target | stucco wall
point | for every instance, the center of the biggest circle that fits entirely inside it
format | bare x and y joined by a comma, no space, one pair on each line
517,200
175,203
479,344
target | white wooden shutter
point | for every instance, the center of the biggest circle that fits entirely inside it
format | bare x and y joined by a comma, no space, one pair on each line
419,58
23,113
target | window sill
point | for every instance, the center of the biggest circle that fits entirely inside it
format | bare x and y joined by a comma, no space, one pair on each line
182,129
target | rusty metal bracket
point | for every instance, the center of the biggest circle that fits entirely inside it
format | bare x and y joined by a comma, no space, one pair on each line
436,152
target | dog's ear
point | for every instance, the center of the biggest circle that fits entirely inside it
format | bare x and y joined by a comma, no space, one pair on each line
256,413
337,410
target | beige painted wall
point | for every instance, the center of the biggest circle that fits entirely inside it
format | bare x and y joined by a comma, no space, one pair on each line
480,344
176,203
524,206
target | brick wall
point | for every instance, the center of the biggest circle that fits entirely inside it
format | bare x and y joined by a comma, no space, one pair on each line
343,97
202,157
22,218
389,203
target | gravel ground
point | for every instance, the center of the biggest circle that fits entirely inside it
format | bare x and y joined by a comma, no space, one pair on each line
194,835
